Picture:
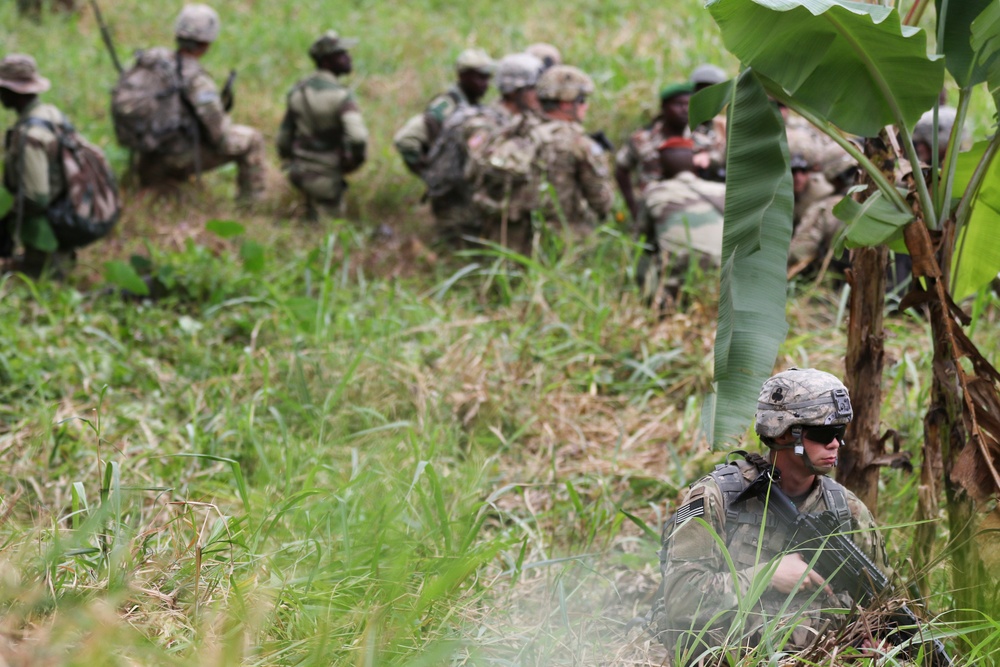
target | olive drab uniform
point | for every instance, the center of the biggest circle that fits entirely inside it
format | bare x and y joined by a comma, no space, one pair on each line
453,213
31,163
576,168
698,584
322,137
682,219
217,141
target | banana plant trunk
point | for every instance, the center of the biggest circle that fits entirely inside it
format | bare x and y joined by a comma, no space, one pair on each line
865,358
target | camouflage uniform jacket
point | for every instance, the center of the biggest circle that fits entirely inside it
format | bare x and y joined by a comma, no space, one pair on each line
576,167
815,232
415,138
640,154
38,170
698,584
684,214
200,92
819,188
323,125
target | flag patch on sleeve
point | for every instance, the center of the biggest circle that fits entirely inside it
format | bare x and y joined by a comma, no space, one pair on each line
693,509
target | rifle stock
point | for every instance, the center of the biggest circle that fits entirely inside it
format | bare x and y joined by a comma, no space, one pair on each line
839,560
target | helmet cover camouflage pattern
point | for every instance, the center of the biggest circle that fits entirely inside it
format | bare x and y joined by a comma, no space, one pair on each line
564,83
475,60
199,23
924,130
548,54
801,397
518,70
329,43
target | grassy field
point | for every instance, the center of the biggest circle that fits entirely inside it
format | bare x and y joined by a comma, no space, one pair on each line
328,447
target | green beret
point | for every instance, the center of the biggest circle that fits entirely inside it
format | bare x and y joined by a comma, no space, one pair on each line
675,89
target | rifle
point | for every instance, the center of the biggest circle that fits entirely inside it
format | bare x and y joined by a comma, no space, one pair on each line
838,559
106,36
227,96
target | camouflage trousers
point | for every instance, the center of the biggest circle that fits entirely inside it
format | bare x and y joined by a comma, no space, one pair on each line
241,144
324,189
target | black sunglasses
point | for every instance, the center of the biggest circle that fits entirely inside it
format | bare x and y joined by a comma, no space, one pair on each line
824,434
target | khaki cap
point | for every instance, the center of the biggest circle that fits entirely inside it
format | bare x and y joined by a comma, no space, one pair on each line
331,42
19,73
475,60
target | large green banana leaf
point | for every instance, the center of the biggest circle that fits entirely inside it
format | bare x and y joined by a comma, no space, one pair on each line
758,228
854,64
986,44
977,252
962,56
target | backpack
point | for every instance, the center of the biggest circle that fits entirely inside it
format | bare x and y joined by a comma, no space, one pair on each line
446,159
147,103
91,205
503,170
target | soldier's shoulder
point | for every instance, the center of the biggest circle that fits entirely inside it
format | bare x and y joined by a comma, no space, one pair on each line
441,106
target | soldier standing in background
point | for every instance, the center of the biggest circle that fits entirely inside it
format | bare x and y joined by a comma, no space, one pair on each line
323,136
211,139
517,76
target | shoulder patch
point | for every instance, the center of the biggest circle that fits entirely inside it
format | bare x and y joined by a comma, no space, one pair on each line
206,97
693,509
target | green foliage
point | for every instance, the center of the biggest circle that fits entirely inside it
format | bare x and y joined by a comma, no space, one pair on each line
754,247
853,64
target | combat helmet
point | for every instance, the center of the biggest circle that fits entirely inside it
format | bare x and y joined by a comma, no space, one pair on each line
516,71
801,397
924,129
547,53
198,23
564,83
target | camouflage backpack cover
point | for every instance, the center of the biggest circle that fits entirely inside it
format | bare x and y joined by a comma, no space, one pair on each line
91,205
503,170
147,104
446,159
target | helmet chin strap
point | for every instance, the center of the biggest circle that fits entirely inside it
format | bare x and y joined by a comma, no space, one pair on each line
799,449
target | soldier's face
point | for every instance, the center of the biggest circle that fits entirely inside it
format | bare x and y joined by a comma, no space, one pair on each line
341,63
675,111
474,84
800,180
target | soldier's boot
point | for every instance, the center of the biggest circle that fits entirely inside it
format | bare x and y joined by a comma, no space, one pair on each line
320,210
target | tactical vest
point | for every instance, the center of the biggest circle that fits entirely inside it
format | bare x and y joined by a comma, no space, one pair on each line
743,521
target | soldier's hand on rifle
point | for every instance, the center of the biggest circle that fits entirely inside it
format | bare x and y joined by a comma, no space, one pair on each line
793,575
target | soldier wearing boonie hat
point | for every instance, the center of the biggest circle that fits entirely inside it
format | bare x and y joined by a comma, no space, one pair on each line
323,136
30,155
637,162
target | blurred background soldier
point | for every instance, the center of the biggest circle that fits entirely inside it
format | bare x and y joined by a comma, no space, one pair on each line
573,163
637,163
475,69
32,172
682,219
517,75
709,137
323,136
548,54
202,136
450,201
817,230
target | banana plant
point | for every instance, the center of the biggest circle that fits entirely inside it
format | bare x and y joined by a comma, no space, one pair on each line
861,69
